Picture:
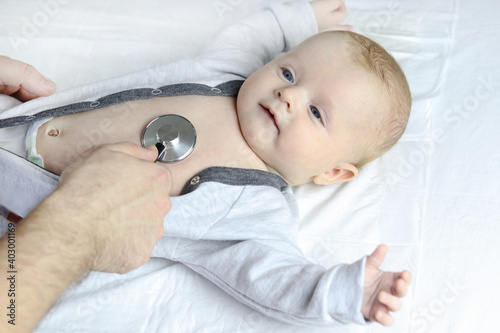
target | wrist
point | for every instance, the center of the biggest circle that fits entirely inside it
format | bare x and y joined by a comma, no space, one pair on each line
49,257
51,232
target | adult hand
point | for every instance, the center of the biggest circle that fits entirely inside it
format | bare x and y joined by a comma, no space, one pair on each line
106,214
329,13
121,199
23,81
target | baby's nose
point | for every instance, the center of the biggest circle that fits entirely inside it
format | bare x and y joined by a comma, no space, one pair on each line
285,98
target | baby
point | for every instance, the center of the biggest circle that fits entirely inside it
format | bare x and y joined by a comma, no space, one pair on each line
315,114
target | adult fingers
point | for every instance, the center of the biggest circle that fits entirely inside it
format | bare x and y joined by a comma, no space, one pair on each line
126,150
23,79
149,153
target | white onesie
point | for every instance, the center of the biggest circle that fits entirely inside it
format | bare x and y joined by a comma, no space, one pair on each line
236,227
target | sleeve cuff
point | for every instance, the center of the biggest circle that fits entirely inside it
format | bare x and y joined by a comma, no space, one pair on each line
346,293
289,15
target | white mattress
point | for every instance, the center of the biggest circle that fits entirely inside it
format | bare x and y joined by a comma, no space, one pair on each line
434,199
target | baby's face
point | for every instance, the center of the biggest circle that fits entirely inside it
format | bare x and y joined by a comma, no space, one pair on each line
304,113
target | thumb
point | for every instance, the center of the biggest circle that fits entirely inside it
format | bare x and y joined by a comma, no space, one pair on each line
16,73
36,84
150,153
376,259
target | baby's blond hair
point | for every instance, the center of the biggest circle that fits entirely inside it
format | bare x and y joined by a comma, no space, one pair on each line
377,61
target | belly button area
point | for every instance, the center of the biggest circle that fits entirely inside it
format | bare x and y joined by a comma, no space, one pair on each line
53,132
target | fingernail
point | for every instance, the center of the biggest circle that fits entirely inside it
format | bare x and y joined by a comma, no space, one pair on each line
48,85
156,149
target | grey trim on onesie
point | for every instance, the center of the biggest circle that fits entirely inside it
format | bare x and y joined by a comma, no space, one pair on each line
224,175
229,88
235,176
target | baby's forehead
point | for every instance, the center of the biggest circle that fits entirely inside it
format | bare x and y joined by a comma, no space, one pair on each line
328,42
324,52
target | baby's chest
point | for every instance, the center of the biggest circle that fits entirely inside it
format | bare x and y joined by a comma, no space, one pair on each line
219,141
218,138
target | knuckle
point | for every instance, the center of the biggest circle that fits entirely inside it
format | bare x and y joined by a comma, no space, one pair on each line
159,232
144,258
162,176
122,271
168,205
137,261
158,173
26,70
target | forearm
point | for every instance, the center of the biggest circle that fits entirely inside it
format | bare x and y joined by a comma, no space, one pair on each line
40,267
92,221
268,271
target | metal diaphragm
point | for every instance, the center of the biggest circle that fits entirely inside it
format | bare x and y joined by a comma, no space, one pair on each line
173,135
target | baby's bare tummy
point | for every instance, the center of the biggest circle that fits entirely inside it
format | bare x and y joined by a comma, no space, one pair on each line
64,139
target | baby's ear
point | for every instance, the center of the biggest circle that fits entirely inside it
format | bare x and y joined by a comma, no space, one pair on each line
341,173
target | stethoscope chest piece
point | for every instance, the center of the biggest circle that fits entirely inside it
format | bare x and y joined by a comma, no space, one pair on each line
173,135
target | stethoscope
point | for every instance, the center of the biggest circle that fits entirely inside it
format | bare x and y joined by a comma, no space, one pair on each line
174,137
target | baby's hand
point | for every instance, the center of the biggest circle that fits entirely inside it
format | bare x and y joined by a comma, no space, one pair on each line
329,13
383,290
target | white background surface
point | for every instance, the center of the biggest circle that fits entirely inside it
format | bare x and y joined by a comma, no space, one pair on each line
434,199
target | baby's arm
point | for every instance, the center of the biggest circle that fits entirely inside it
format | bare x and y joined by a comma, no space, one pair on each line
247,45
243,47
273,277
383,290
243,239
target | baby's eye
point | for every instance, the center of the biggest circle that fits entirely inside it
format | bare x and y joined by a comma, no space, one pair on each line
315,112
287,75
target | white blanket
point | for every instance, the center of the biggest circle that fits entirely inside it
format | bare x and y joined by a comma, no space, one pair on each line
433,199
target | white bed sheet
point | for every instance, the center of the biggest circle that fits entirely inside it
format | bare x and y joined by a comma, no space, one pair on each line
433,199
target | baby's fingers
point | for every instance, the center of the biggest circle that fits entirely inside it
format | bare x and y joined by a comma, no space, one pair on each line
384,318
392,302
339,14
405,275
400,287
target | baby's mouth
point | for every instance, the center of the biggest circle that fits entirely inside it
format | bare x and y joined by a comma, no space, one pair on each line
270,114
